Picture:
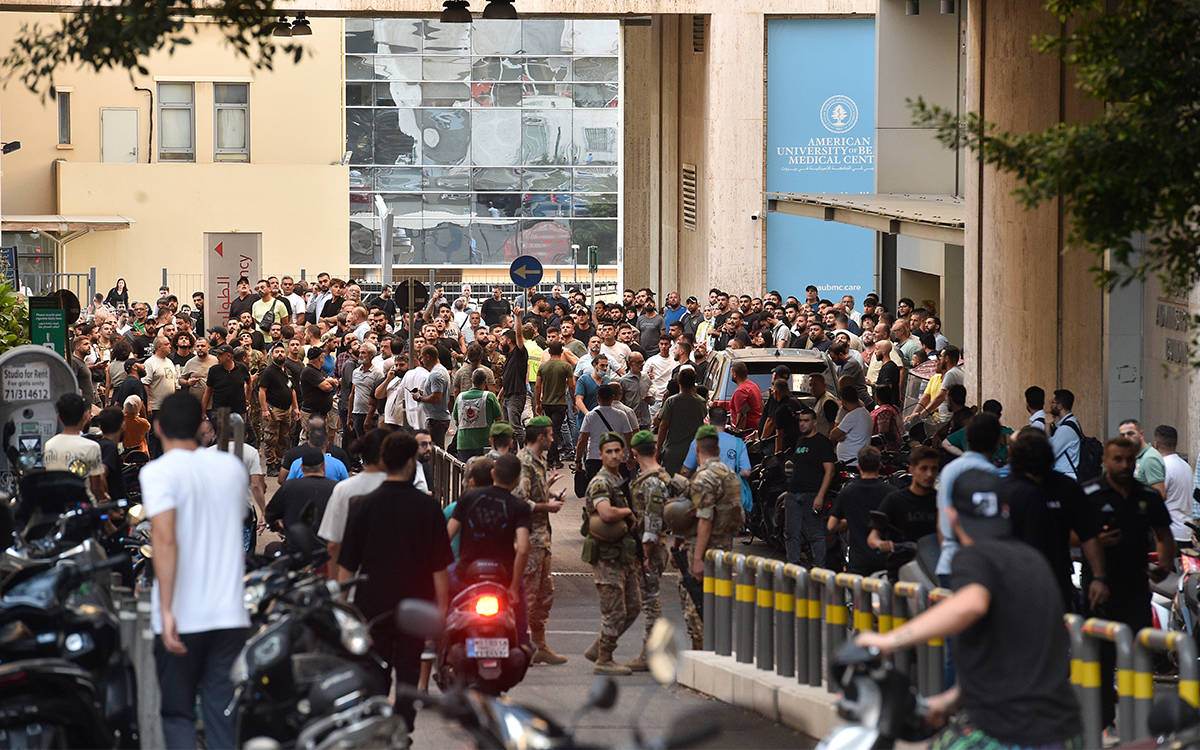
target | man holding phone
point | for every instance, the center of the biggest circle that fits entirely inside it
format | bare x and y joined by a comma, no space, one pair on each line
534,488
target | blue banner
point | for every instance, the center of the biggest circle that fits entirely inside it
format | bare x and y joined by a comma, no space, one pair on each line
820,139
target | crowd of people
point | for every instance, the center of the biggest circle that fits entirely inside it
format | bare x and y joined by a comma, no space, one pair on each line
345,400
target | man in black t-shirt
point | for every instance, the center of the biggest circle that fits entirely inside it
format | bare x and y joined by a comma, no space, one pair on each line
302,500
907,515
316,388
495,308
111,422
515,378
813,463
491,520
228,383
277,402
396,536
1011,650
1045,507
1128,514
852,512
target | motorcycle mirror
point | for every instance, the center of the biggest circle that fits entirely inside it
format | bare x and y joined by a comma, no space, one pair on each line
136,514
603,694
662,652
302,538
418,617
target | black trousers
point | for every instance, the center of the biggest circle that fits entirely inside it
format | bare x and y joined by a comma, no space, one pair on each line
557,414
403,654
1133,609
203,671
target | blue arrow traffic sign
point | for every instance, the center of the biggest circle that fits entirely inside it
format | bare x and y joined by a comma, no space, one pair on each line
525,271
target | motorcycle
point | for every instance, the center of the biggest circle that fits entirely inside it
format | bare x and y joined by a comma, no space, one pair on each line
768,484
878,700
480,646
495,722
309,677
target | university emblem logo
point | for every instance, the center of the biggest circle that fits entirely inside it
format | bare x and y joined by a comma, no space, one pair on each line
839,114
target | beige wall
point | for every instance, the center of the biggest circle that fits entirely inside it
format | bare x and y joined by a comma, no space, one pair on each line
301,211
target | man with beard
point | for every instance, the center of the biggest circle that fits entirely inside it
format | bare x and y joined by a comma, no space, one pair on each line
277,397
514,381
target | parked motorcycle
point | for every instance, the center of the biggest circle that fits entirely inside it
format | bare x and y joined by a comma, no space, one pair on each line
309,677
480,647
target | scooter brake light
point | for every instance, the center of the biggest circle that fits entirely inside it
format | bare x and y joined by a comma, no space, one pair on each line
487,606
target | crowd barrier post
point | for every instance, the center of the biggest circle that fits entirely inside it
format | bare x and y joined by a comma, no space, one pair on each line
864,616
1121,636
833,626
743,621
914,597
882,588
723,604
785,619
936,666
764,613
1147,641
710,582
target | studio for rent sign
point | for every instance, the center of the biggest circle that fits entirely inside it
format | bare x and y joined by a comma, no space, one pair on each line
820,139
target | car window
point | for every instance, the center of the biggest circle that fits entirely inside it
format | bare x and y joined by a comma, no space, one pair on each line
760,375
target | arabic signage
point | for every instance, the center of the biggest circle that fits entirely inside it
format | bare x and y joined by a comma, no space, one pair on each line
820,139
227,257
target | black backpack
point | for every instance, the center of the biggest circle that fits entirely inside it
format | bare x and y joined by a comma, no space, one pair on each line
1091,451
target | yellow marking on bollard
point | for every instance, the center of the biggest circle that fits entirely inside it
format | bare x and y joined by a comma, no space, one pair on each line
745,592
709,584
1189,690
835,614
724,588
936,642
1089,674
1143,684
898,621
1124,682
765,598
1076,670
863,621
885,623
814,609
802,609
784,602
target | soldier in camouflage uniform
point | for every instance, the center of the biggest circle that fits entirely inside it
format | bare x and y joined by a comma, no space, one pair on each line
650,491
534,488
614,562
500,436
716,494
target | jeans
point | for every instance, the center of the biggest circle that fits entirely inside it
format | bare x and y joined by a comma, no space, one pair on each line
573,420
802,524
514,404
203,669
558,415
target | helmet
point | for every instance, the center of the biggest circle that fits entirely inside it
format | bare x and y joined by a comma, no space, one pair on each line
679,517
606,531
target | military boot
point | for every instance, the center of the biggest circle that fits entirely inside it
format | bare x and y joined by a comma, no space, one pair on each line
544,655
639,662
593,651
605,664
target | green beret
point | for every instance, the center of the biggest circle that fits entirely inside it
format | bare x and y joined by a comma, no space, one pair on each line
611,437
706,431
539,421
640,437
500,428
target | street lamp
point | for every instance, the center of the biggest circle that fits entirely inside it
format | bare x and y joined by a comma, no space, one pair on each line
301,27
500,10
282,28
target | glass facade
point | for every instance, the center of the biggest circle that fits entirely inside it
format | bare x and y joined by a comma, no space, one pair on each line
486,140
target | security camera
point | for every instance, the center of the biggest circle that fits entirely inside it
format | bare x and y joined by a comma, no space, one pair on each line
754,216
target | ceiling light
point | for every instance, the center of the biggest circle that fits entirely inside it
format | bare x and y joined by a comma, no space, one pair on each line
301,27
283,28
456,11
912,7
947,7
500,10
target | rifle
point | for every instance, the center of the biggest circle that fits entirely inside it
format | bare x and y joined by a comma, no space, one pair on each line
693,587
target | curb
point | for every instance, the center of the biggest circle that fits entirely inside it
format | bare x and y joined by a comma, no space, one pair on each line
812,711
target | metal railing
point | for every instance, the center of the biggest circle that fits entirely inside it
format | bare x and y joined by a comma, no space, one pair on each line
133,612
448,478
792,620
82,285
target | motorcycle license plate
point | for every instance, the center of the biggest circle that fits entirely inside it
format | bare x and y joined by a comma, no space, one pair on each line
487,648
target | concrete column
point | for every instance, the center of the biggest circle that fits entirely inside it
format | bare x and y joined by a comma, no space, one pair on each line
1032,316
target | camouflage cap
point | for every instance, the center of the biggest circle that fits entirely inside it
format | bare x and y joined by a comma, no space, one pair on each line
500,429
611,437
706,431
539,421
641,437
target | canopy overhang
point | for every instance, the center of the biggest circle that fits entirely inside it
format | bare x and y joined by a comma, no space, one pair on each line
929,217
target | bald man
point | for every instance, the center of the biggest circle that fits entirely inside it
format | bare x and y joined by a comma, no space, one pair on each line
886,368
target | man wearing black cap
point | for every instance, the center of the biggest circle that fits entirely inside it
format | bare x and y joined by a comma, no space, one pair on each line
316,388
1011,650
694,316
302,500
277,400
228,384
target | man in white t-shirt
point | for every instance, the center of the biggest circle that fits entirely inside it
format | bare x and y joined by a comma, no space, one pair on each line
415,378
337,510
70,451
853,432
1177,483
161,376
616,351
287,291
194,500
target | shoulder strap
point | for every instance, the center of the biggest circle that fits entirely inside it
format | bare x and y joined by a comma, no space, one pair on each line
602,419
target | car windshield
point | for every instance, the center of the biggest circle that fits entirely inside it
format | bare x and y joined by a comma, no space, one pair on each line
760,375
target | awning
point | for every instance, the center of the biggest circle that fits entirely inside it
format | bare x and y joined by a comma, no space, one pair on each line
930,217
63,224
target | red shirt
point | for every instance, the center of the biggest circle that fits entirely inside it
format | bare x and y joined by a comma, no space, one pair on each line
746,394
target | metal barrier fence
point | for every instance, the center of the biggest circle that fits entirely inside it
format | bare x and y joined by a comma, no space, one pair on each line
448,480
83,285
792,620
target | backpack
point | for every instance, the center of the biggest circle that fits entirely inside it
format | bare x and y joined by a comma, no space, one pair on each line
1091,451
